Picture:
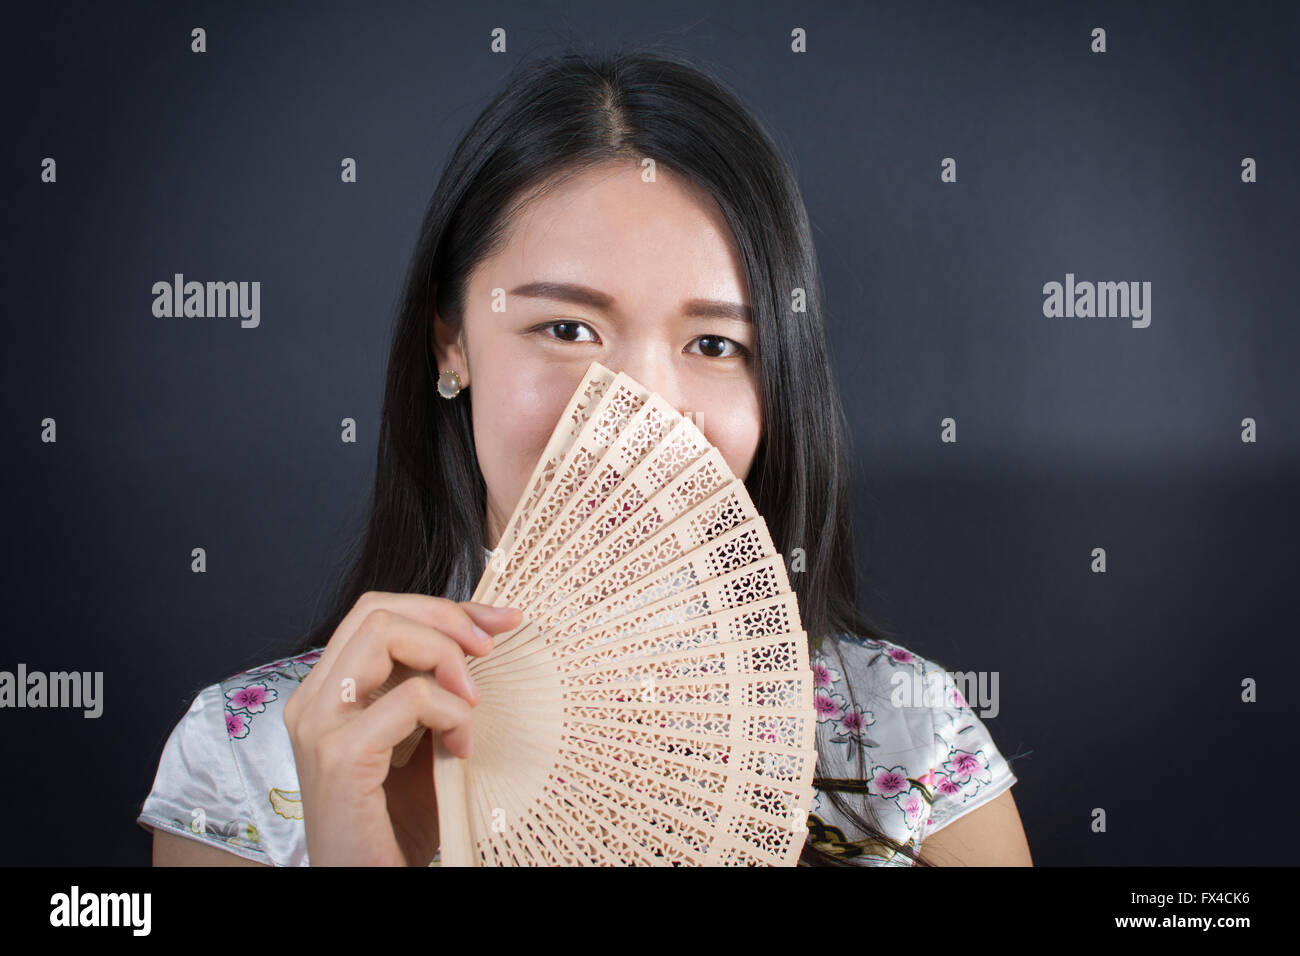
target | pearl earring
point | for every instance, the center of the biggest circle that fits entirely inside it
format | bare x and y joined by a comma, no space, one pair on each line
449,383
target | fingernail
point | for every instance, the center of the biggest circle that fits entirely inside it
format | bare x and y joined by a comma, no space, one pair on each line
473,686
482,635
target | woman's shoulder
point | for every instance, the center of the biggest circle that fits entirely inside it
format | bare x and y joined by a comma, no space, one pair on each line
253,701
250,696
227,775
899,723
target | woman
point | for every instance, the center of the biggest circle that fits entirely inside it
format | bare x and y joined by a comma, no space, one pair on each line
629,211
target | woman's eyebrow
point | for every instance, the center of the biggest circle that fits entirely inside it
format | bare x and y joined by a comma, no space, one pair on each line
585,295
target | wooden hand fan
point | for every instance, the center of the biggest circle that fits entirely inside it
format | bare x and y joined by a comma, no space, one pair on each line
655,706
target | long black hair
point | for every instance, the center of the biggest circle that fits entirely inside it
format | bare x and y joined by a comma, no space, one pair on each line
557,117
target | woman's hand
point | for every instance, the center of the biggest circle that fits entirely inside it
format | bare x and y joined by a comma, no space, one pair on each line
358,810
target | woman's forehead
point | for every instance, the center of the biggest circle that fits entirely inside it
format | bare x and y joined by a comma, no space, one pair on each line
609,231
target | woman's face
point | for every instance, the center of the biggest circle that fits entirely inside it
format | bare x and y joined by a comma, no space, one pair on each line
652,260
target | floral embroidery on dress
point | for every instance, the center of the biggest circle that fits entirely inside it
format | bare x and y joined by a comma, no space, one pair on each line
243,702
966,773
287,803
910,795
967,769
960,773
236,832
831,706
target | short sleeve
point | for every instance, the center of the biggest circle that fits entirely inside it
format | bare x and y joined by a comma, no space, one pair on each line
969,770
198,792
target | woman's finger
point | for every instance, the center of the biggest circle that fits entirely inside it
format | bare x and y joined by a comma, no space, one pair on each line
447,616
386,638
381,726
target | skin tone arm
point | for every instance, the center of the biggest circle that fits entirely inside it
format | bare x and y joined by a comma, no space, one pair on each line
172,850
990,836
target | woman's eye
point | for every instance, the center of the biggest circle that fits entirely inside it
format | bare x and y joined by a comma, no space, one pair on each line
569,331
711,346
715,346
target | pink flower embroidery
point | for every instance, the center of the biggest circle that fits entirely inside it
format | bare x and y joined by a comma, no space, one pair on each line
828,706
914,808
855,721
900,655
236,725
252,698
887,783
823,676
946,785
964,764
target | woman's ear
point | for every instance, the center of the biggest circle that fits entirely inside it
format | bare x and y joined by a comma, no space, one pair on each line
448,345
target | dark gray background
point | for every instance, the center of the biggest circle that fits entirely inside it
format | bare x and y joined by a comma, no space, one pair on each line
1119,691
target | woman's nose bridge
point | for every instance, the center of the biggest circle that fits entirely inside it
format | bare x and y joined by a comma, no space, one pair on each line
655,371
